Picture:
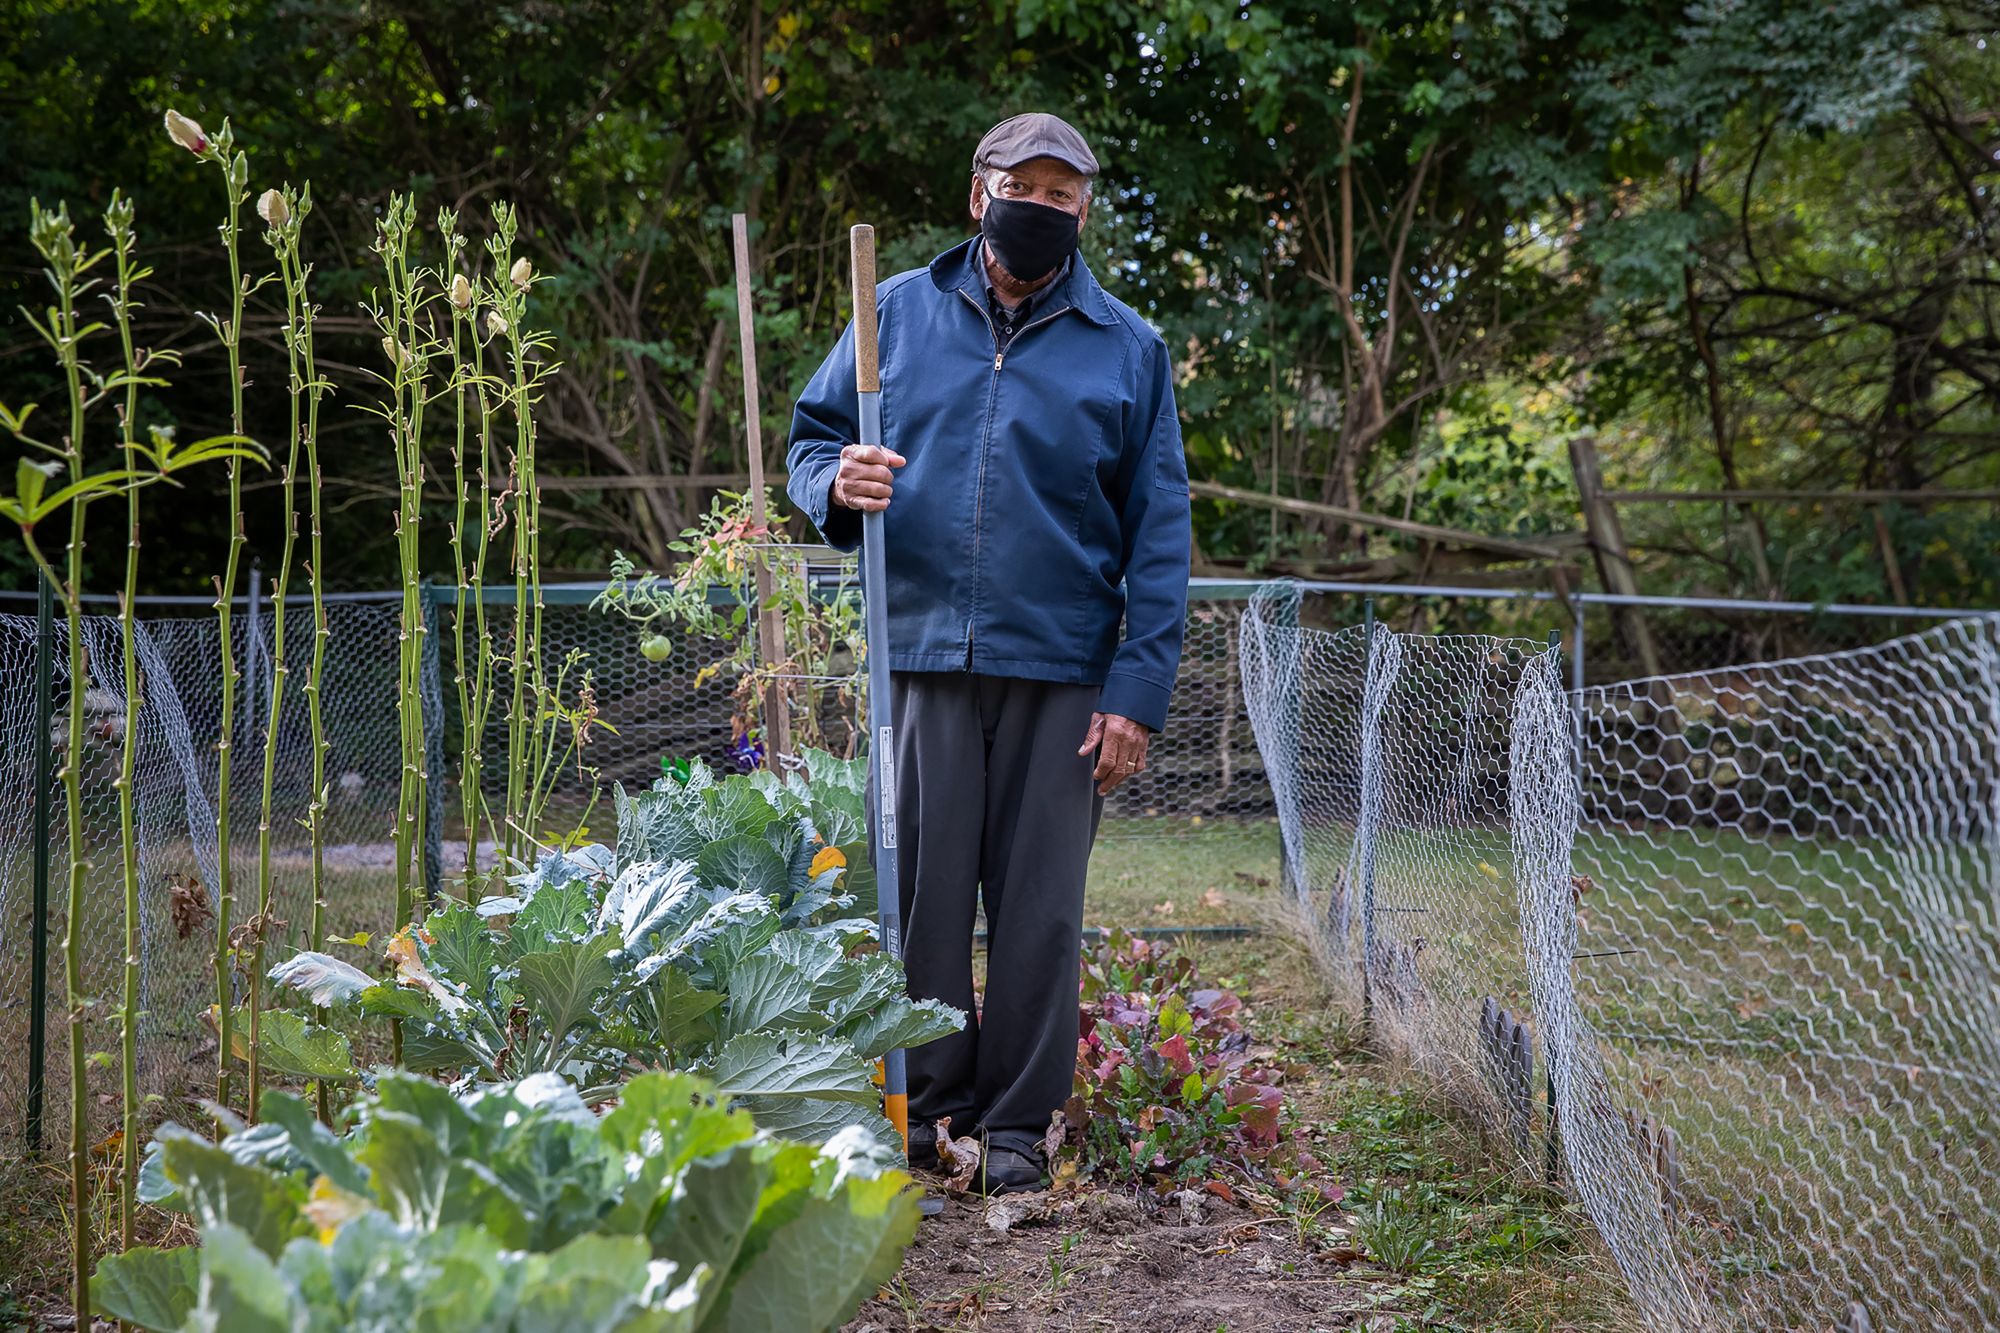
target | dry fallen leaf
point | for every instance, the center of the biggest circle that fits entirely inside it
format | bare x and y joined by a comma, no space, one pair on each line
1213,900
959,1158
1058,1131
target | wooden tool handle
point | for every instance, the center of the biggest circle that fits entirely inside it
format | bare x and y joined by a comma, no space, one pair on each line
861,246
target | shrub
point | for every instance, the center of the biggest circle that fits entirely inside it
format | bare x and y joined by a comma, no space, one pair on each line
514,1207
1164,1090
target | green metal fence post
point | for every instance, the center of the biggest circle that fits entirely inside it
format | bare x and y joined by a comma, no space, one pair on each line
1548,1051
1364,823
38,963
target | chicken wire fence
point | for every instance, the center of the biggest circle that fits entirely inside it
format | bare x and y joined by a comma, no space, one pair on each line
1716,952
1204,768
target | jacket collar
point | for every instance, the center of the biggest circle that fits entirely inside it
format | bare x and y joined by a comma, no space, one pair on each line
957,270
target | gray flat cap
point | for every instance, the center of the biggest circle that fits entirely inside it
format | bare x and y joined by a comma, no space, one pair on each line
1036,134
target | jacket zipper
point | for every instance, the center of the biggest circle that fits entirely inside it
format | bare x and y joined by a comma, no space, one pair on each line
979,493
992,392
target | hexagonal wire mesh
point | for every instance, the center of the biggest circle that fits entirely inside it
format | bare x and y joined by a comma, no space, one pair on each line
1446,832
1750,911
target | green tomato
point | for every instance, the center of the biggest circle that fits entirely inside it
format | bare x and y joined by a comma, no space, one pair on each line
656,647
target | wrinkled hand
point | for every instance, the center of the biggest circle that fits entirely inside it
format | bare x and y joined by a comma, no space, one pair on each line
1121,749
864,480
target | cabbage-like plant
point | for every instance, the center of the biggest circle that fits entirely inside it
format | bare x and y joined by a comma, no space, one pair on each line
718,938
514,1207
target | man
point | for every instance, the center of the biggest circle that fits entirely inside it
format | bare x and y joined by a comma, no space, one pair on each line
1034,494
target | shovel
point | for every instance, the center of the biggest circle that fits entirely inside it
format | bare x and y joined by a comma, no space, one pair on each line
875,630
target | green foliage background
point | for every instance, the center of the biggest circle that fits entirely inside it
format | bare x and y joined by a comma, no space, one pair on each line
1746,242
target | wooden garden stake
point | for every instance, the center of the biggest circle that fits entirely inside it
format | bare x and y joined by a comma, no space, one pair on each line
770,620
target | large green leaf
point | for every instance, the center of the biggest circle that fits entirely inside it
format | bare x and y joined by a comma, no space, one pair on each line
462,948
768,990
312,1141
795,1064
602,1284
859,882
558,912
682,1011
817,1119
217,1189
290,1044
241,1288
900,1024
407,1166
705,1217
562,985
744,863
814,1272
735,807
148,1287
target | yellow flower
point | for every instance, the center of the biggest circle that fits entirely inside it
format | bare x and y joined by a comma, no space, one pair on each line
271,207
496,324
186,133
827,858
461,292
329,1207
521,274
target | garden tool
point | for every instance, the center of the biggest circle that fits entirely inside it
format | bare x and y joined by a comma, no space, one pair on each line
875,630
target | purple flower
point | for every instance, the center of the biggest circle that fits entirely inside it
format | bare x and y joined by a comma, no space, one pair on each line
746,752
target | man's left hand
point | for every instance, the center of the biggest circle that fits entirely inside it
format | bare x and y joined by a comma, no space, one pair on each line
1121,749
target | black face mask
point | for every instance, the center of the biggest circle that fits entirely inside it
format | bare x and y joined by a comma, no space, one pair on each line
1030,240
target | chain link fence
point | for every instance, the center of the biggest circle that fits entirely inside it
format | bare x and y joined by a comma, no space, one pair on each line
1725,866
1716,952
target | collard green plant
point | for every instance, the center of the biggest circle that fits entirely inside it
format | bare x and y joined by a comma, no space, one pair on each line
515,1207
718,937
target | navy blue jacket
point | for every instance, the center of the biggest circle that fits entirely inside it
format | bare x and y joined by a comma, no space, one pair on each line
1046,495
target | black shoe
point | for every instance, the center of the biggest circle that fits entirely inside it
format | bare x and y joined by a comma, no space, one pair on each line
923,1148
1004,1171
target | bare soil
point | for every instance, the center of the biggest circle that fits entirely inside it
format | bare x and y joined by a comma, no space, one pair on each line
1107,1259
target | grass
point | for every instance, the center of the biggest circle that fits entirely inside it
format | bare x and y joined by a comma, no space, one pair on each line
1453,1232
1794,1009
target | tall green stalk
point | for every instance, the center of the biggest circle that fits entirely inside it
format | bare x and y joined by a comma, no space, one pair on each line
469,574
118,224
508,291
298,292
282,212
406,345
235,169
54,237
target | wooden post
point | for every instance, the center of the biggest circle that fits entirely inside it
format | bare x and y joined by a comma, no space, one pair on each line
770,621
1607,546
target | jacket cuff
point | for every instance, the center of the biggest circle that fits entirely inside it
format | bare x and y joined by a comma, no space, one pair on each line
839,527
1141,700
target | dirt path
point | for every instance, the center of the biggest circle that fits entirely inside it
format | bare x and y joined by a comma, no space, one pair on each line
1113,1260
1433,1233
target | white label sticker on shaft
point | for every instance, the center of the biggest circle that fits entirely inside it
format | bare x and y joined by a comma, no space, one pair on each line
885,747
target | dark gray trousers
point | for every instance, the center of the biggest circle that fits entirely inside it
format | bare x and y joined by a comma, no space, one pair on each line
993,803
